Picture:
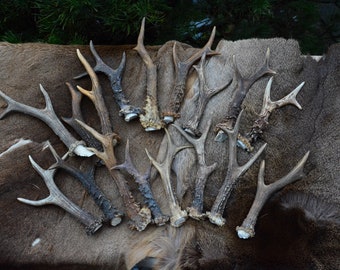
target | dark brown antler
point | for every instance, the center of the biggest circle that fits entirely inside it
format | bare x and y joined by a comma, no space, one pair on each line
56,197
48,116
233,173
178,216
243,86
268,107
264,192
150,120
144,187
182,70
115,75
203,172
204,95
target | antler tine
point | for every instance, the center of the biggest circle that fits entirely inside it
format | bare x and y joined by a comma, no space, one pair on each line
205,93
128,111
48,116
203,172
144,186
243,86
139,218
56,197
264,192
233,173
182,69
268,106
178,216
76,114
150,120
96,96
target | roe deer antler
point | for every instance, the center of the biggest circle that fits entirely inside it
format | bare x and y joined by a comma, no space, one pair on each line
234,171
268,106
264,192
144,187
139,218
243,86
203,172
178,216
150,120
48,116
204,95
56,197
115,76
182,70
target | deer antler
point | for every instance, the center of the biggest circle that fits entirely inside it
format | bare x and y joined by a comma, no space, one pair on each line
268,107
56,197
178,216
203,172
150,120
87,180
182,70
48,116
115,75
264,192
204,95
233,173
144,187
243,86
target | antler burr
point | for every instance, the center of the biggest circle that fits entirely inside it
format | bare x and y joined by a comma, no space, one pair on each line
144,187
56,197
48,116
233,173
178,216
264,192
115,76
150,120
203,172
243,86
182,70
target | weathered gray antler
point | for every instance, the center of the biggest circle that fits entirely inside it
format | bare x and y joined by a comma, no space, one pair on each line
150,120
234,171
264,192
144,187
204,95
182,70
178,216
203,172
48,116
86,178
56,197
268,106
115,76
243,86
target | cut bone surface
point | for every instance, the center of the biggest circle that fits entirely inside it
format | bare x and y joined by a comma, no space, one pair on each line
264,192
115,75
243,86
56,197
204,95
144,186
203,172
234,171
182,70
178,216
150,120
48,116
268,106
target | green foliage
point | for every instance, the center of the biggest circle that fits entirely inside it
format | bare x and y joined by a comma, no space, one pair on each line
315,24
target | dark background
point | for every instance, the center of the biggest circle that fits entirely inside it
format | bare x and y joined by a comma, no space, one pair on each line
315,24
